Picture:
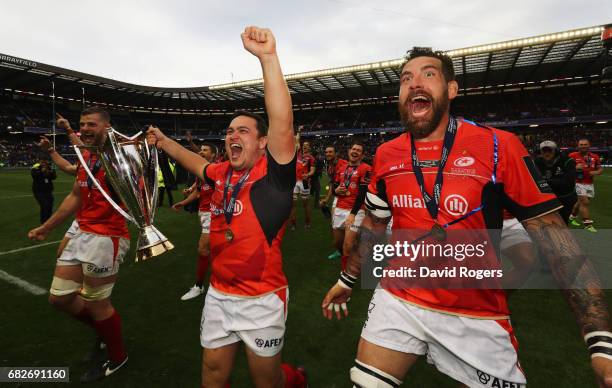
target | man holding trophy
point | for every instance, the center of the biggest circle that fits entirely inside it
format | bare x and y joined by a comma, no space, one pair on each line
247,297
86,270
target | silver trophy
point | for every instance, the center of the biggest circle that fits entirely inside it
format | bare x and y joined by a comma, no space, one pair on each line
131,166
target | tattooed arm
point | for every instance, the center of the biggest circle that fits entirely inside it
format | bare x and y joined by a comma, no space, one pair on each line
372,232
578,281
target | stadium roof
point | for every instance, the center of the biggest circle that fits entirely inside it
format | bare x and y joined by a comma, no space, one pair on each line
563,57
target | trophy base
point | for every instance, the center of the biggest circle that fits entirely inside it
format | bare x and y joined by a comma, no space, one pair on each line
151,243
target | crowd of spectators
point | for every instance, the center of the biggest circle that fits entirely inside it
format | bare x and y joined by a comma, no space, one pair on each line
17,114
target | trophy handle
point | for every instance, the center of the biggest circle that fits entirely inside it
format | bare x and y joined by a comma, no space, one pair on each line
97,184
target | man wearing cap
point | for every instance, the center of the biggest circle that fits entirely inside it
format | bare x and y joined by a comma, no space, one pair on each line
559,171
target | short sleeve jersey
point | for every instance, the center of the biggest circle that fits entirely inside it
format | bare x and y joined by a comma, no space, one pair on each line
250,264
590,161
351,177
519,188
96,215
206,191
303,165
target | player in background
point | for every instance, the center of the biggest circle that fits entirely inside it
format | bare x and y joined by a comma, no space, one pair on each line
350,187
465,333
559,171
588,165
203,191
304,171
86,271
331,163
247,297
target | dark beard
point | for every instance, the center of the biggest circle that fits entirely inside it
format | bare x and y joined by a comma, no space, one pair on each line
422,128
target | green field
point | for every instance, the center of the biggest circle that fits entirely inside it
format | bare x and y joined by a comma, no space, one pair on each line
162,333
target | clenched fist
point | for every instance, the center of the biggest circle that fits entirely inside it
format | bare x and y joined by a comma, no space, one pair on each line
258,41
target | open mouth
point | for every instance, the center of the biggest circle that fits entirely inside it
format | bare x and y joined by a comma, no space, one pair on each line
87,137
235,151
420,104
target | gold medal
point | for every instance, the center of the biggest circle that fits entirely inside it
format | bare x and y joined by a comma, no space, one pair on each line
438,232
229,235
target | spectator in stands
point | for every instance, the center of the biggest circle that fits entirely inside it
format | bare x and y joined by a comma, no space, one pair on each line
42,187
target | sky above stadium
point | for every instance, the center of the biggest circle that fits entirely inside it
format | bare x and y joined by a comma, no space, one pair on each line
197,43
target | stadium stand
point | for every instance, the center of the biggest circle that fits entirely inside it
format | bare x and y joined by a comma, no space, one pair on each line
543,87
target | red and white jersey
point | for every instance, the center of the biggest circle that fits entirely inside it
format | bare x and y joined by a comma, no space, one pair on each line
96,215
590,161
206,192
303,165
351,177
251,263
467,183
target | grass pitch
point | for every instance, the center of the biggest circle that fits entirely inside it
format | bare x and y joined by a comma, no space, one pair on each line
162,332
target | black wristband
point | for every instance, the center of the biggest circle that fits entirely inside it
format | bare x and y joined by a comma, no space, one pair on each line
347,279
599,343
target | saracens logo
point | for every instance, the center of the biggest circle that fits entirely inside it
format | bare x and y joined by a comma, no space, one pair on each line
456,205
464,161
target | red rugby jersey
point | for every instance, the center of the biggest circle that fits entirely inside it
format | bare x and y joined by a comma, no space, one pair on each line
467,181
251,264
591,162
303,165
356,175
206,191
96,214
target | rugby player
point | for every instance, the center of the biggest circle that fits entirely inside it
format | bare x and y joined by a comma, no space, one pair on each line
465,333
86,271
201,190
247,297
351,179
304,170
331,163
588,165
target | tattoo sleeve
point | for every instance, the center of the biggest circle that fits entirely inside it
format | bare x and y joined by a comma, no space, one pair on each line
572,270
372,232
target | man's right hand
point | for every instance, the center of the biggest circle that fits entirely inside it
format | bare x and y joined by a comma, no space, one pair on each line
38,234
44,143
62,122
177,206
155,136
340,190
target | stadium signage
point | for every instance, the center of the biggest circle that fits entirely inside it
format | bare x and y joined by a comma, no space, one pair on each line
17,61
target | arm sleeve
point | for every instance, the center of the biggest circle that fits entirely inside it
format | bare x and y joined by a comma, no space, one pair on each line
376,196
526,193
281,176
210,172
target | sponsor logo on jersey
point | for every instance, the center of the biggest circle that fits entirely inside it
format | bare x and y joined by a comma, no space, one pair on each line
464,161
407,200
456,205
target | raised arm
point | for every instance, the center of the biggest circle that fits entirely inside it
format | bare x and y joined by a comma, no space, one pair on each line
281,143
59,161
65,124
191,161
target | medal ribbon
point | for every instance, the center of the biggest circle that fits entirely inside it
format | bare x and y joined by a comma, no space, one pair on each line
476,209
433,202
94,170
228,206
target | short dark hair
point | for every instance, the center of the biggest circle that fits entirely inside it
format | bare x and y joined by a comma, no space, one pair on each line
212,147
91,110
359,143
261,125
448,69
331,146
583,138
